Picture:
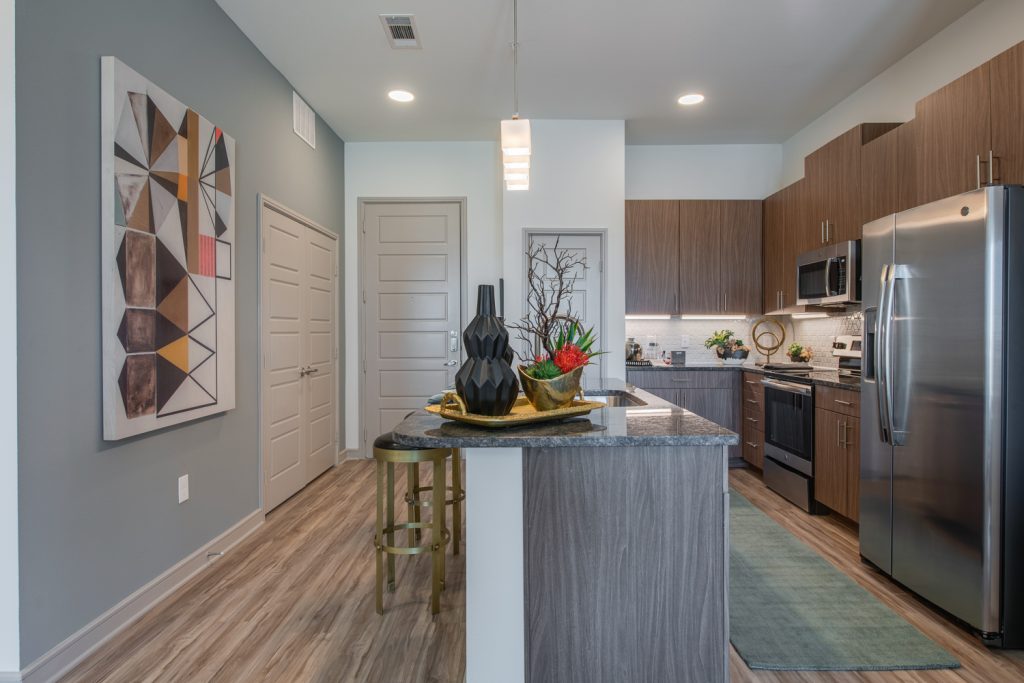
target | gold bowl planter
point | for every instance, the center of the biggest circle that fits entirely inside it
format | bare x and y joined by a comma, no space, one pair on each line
551,394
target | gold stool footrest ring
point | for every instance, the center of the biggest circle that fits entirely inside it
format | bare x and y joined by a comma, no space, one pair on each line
409,550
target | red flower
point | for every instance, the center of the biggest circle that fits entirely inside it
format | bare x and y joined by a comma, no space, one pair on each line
569,357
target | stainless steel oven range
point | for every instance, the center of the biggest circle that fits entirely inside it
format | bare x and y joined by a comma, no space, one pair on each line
789,439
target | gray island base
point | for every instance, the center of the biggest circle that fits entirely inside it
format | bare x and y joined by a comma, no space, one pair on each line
596,550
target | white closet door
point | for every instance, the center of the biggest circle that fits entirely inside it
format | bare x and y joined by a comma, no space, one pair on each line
321,378
299,375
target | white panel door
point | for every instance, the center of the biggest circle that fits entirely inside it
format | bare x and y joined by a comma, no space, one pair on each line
412,327
299,377
586,300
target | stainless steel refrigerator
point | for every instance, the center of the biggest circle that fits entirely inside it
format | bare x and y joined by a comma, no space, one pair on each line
942,406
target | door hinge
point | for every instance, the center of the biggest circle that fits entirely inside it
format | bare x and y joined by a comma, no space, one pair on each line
600,266
364,296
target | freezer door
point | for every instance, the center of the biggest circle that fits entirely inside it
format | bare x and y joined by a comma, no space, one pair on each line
946,429
875,453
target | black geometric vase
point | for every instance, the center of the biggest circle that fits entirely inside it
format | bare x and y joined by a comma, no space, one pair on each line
486,381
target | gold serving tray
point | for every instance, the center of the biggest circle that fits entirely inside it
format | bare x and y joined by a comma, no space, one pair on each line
452,408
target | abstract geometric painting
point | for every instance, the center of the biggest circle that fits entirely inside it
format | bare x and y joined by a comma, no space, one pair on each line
168,259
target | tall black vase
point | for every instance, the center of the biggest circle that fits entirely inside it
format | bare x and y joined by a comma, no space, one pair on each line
486,381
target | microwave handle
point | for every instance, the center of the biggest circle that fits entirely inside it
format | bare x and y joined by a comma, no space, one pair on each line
828,278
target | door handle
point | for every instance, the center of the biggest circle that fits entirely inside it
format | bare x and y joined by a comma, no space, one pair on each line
308,371
453,341
451,364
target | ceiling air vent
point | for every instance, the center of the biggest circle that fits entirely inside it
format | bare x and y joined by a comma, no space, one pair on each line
401,30
303,120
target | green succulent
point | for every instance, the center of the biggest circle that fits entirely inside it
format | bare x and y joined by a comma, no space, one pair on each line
545,369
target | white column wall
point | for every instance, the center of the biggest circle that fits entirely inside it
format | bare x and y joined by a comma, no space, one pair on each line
577,181
9,634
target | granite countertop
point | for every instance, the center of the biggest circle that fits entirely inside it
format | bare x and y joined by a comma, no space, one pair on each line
820,376
658,423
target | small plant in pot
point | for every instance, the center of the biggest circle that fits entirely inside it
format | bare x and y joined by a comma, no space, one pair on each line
799,353
559,346
727,346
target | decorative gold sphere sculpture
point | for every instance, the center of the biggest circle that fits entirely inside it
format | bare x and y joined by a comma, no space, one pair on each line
774,333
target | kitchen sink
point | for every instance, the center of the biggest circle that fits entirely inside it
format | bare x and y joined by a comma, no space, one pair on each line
616,399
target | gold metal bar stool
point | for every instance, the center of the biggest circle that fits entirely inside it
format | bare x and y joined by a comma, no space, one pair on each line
414,502
388,453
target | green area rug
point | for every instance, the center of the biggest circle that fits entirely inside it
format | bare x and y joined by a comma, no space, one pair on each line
790,610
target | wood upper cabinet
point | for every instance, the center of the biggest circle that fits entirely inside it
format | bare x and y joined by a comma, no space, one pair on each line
1007,86
740,257
773,249
835,196
700,243
652,248
953,136
907,192
796,221
879,173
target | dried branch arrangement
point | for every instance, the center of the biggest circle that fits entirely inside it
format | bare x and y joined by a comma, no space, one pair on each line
553,337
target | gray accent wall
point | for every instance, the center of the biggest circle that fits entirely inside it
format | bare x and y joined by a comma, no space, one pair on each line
99,520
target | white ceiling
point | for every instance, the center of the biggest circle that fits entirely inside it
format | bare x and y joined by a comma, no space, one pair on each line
767,67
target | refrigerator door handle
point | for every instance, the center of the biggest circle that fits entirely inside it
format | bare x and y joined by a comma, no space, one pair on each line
897,432
881,359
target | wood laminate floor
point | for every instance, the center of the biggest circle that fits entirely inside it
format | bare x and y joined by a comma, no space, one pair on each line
294,603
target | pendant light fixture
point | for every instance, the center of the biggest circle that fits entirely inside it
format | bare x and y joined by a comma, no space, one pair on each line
515,132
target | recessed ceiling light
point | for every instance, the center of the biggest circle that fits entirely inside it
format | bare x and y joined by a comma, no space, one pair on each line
691,98
401,96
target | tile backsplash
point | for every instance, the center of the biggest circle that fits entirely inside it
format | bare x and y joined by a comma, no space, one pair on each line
816,333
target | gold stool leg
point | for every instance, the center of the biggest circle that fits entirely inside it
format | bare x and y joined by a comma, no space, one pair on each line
378,539
412,497
457,504
391,524
436,535
416,509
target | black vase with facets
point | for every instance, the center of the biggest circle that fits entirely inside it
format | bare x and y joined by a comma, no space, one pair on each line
486,381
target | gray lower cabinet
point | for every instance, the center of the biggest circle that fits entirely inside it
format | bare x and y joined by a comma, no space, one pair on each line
712,394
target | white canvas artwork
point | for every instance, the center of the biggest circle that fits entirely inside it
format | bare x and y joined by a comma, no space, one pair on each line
168,237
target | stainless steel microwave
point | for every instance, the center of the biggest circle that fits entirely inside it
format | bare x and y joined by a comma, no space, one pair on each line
829,276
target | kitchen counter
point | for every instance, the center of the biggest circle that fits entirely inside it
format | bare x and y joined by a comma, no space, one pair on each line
655,423
820,376
578,532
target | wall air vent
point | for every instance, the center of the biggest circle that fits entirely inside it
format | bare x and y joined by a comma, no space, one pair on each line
303,120
401,30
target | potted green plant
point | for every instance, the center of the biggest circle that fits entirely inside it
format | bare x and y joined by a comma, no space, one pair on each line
729,348
559,346
799,353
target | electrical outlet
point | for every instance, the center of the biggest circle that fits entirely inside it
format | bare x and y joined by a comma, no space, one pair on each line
182,488
684,341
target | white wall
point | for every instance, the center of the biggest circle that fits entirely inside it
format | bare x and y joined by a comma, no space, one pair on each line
418,169
988,29
9,640
577,181
702,171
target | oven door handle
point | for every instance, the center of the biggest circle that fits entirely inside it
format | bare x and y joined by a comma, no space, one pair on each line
788,387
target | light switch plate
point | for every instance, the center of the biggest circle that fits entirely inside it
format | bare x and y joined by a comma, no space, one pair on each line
182,488
684,341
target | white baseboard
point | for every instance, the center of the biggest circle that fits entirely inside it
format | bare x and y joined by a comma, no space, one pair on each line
80,645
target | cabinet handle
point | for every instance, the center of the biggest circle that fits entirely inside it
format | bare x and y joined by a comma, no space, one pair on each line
828,232
748,381
977,169
991,168
750,419
822,226
751,444
839,434
681,381
752,401
843,403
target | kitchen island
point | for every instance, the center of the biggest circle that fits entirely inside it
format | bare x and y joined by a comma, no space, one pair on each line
596,548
